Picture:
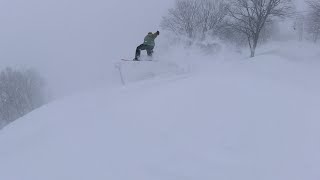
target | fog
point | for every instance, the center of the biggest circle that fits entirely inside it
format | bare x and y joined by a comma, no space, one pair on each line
73,43
301,5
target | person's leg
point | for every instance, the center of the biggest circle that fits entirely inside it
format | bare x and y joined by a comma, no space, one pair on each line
138,51
150,50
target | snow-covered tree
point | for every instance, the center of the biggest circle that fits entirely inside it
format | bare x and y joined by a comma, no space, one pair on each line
20,93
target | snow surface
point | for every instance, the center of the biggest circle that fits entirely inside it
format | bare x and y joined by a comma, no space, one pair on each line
230,119
185,116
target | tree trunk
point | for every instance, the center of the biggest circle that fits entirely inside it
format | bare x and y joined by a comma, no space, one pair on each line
254,46
253,51
251,47
316,37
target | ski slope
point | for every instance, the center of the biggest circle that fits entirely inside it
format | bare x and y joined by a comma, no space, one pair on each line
254,119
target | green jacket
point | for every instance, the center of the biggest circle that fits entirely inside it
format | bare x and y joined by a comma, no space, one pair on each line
149,39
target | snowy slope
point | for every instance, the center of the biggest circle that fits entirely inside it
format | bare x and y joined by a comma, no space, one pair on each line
235,120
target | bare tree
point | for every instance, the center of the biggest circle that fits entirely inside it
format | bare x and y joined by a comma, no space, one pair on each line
194,18
20,93
299,25
313,20
183,18
314,4
211,15
251,16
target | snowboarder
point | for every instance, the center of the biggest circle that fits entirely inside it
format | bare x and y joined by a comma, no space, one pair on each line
147,45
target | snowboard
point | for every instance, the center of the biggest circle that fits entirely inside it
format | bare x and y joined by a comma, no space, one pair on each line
135,61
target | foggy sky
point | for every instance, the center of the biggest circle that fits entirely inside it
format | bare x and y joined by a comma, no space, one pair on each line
73,43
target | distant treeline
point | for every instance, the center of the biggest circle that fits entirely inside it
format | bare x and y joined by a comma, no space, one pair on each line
21,91
240,22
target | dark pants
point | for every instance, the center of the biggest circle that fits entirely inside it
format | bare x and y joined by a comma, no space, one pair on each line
144,47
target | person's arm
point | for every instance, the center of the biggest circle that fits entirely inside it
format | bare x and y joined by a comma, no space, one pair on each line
156,34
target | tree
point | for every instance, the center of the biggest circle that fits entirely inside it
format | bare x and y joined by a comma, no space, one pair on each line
194,18
313,20
211,15
299,25
183,18
251,16
314,4
20,93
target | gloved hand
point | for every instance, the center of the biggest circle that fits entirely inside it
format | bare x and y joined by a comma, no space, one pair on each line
158,32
